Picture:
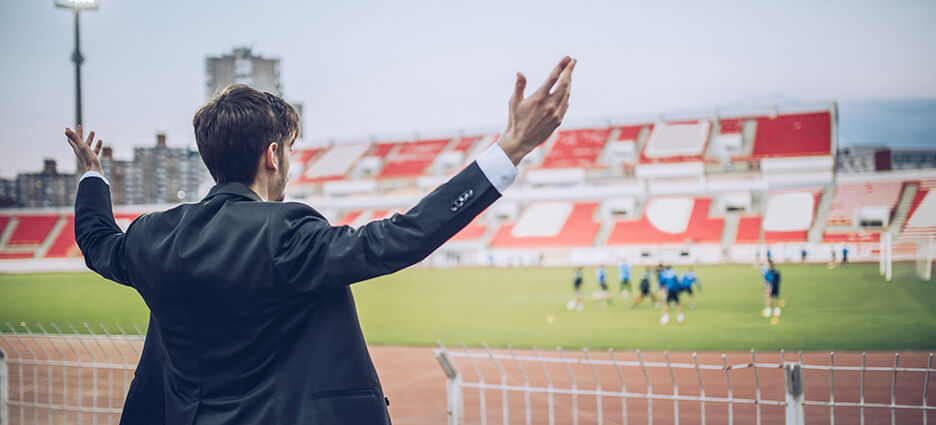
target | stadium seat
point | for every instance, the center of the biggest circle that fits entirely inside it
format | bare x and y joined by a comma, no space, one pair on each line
748,230
577,148
64,244
540,226
32,229
474,231
921,221
730,125
410,159
852,237
332,164
670,221
793,135
677,142
789,213
849,197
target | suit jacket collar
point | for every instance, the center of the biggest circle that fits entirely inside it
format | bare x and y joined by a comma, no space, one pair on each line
234,189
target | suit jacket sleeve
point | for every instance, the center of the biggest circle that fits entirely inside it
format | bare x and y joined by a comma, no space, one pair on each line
100,239
310,254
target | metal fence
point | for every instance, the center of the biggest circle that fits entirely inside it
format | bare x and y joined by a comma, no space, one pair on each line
52,375
607,388
80,375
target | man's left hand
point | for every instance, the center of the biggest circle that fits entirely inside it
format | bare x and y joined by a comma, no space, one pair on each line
86,151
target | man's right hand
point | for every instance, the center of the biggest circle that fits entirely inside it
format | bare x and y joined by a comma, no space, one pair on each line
533,119
86,151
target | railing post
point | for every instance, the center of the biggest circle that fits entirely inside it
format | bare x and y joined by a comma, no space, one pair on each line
453,388
4,390
793,374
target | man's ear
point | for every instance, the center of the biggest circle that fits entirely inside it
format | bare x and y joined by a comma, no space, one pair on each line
271,157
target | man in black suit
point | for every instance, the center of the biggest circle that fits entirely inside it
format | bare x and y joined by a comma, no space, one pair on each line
252,319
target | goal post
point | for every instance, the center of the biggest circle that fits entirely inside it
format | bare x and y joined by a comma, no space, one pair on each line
907,257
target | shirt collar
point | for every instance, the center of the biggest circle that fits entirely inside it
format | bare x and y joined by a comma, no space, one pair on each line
233,188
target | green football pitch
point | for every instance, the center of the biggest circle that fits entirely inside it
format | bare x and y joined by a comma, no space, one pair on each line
842,309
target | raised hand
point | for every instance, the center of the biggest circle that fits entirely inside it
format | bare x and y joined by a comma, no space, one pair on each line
86,151
532,120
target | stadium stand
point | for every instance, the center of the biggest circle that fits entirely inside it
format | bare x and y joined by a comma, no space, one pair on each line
789,215
64,244
850,197
550,224
749,229
411,159
577,148
474,232
922,218
32,229
670,221
677,141
793,135
332,164
730,125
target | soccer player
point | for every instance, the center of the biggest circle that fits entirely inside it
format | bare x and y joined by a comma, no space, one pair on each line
803,255
844,255
671,283
644,289
576,302
771,290
624,271
661,287
689,279
602,294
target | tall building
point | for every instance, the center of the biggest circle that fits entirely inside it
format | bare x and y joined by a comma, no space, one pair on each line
116,172
47,188
8,196
242,67
161,174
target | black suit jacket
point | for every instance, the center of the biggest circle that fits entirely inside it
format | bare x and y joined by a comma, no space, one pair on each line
252,319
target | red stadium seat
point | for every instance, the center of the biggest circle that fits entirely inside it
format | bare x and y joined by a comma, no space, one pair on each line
749,230
411,159
793,135
32,229
700,229
579,230
577,148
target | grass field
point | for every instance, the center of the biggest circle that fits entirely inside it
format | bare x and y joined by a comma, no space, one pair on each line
843,309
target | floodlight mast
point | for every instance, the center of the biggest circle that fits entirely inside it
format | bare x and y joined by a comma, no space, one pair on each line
77,6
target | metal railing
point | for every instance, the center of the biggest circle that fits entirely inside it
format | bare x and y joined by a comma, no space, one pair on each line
698,391
55,376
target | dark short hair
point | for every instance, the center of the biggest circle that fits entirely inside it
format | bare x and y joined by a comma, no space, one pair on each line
236,126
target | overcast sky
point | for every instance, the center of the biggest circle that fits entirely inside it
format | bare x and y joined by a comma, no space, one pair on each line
392,68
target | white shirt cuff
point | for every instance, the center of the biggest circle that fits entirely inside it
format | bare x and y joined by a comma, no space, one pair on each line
94,174
497,167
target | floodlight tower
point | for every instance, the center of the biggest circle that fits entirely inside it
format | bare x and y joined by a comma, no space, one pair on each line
77,6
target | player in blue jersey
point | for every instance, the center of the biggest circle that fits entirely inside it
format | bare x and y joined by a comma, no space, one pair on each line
624,271
577,303
670,280
685,284
644,289
602,294
771,290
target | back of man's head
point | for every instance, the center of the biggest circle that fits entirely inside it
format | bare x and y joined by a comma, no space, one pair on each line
235,127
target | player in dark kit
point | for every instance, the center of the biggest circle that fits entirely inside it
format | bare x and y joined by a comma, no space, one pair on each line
771,291
670,282
576,302
644,289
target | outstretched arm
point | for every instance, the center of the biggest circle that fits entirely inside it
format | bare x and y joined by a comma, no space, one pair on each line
100,239
310,254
